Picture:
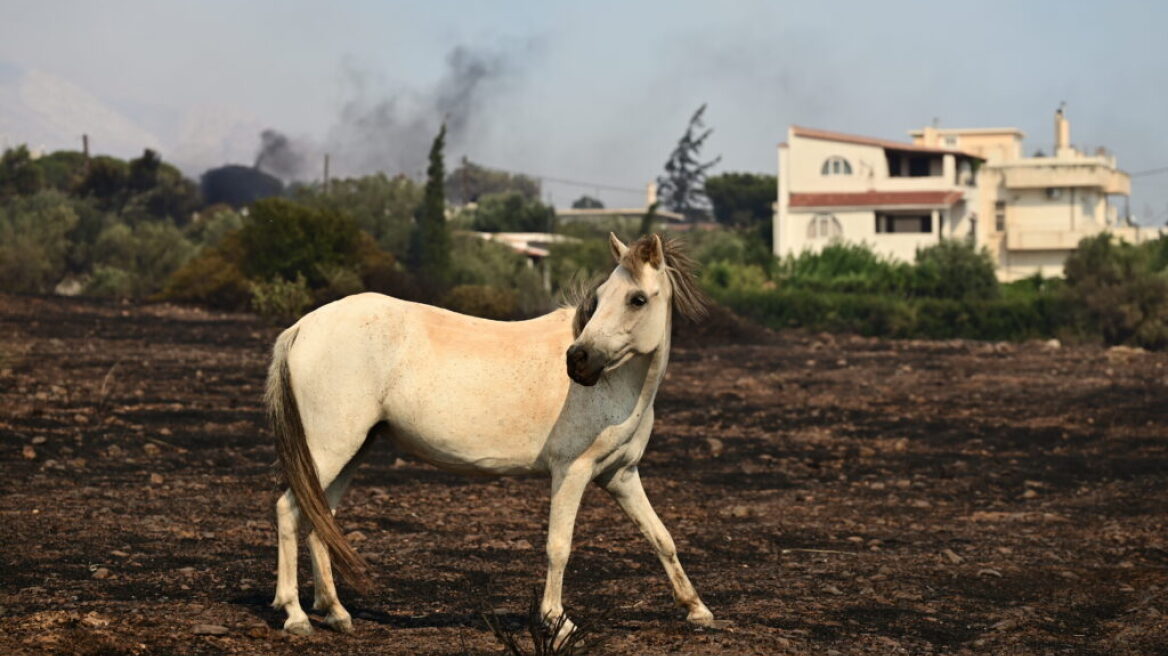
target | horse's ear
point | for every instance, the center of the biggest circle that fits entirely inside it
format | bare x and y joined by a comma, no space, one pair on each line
617,247
655,254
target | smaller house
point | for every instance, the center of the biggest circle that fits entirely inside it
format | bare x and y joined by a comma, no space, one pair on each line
606,215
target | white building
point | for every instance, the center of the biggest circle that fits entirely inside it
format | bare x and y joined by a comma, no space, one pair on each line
896,197
974,184
1042,206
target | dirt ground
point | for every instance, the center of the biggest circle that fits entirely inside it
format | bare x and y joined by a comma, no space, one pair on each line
828,495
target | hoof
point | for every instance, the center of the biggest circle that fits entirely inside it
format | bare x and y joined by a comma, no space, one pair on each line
299,627
566,629
340,624
702,616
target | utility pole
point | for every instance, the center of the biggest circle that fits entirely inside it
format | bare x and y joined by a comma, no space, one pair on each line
326,173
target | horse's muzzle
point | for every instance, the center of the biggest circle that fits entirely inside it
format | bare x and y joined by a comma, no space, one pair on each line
582,367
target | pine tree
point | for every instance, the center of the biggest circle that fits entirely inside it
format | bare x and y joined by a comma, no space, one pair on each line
429,252
682,188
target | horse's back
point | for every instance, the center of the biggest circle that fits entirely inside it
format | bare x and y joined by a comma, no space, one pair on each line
462,392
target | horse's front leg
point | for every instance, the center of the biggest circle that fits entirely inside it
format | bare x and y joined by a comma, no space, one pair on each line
567,489
625,486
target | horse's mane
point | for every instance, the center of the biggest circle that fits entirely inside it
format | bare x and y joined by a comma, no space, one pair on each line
688,298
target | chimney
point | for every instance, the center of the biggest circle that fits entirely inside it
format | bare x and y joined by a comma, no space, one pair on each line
650,194
1062,134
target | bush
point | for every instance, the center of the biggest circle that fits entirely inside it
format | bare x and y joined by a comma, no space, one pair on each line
381,206
482,301
846,268
135,262
339,282
213,279
284,239
279,299
476,261
954,269
890,316
742,247
726,275
511,211
1118,292
34,241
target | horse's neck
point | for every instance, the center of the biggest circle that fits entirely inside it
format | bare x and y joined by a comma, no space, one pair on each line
646,376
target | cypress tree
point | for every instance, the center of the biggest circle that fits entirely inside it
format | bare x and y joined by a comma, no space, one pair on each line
429,252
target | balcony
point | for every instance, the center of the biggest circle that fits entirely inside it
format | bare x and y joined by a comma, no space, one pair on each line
1044,240
1065,174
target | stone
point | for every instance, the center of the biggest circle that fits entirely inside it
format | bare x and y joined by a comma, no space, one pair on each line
209,629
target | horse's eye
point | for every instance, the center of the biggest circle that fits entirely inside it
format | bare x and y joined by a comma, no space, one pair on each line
637,300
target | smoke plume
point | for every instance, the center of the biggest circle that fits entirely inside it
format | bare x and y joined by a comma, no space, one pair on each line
390,130
279,157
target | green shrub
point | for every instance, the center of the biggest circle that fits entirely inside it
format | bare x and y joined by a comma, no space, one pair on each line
339,282
213,279
511,211
143,257
111,282
842,267
279,299
891,316
476,261
1117,292
482,301
954,269
736,246
281,238
726,275
34,241
381,206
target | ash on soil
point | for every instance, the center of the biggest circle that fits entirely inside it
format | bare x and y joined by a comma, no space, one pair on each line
827,494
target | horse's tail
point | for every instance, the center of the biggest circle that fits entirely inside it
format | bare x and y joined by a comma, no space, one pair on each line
299,470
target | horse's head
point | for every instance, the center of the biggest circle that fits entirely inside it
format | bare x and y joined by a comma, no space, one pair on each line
630,313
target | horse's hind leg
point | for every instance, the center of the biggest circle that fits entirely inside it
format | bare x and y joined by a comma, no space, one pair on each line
325,590
330,463
287,597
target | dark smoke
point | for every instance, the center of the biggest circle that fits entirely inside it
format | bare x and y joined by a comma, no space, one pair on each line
279,157
391,130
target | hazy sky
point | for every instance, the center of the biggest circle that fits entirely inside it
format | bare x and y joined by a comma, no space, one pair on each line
600,91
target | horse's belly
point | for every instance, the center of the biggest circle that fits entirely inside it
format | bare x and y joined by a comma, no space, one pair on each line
464,426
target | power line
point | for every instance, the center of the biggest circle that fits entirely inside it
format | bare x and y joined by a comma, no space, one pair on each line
1163,169
577,183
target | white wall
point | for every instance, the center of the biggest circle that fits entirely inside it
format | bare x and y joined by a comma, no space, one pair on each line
858,226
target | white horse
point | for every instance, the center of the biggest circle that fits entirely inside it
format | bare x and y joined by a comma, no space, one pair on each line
472,395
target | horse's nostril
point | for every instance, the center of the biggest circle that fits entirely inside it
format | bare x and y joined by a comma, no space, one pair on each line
577,355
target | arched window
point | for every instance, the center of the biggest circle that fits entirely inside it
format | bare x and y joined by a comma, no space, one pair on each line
824,226
835,165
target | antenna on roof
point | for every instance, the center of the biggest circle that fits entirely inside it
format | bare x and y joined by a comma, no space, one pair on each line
936,121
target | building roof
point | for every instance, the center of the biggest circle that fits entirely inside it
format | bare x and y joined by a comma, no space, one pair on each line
944,198
948,131
605,212
811,133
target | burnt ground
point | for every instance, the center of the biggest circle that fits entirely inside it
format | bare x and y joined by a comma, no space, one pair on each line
827,494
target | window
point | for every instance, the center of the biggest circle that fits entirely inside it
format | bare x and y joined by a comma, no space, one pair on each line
835,165
824,226
951,141
1054,193
965,174
904,164
897,223
1000,215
